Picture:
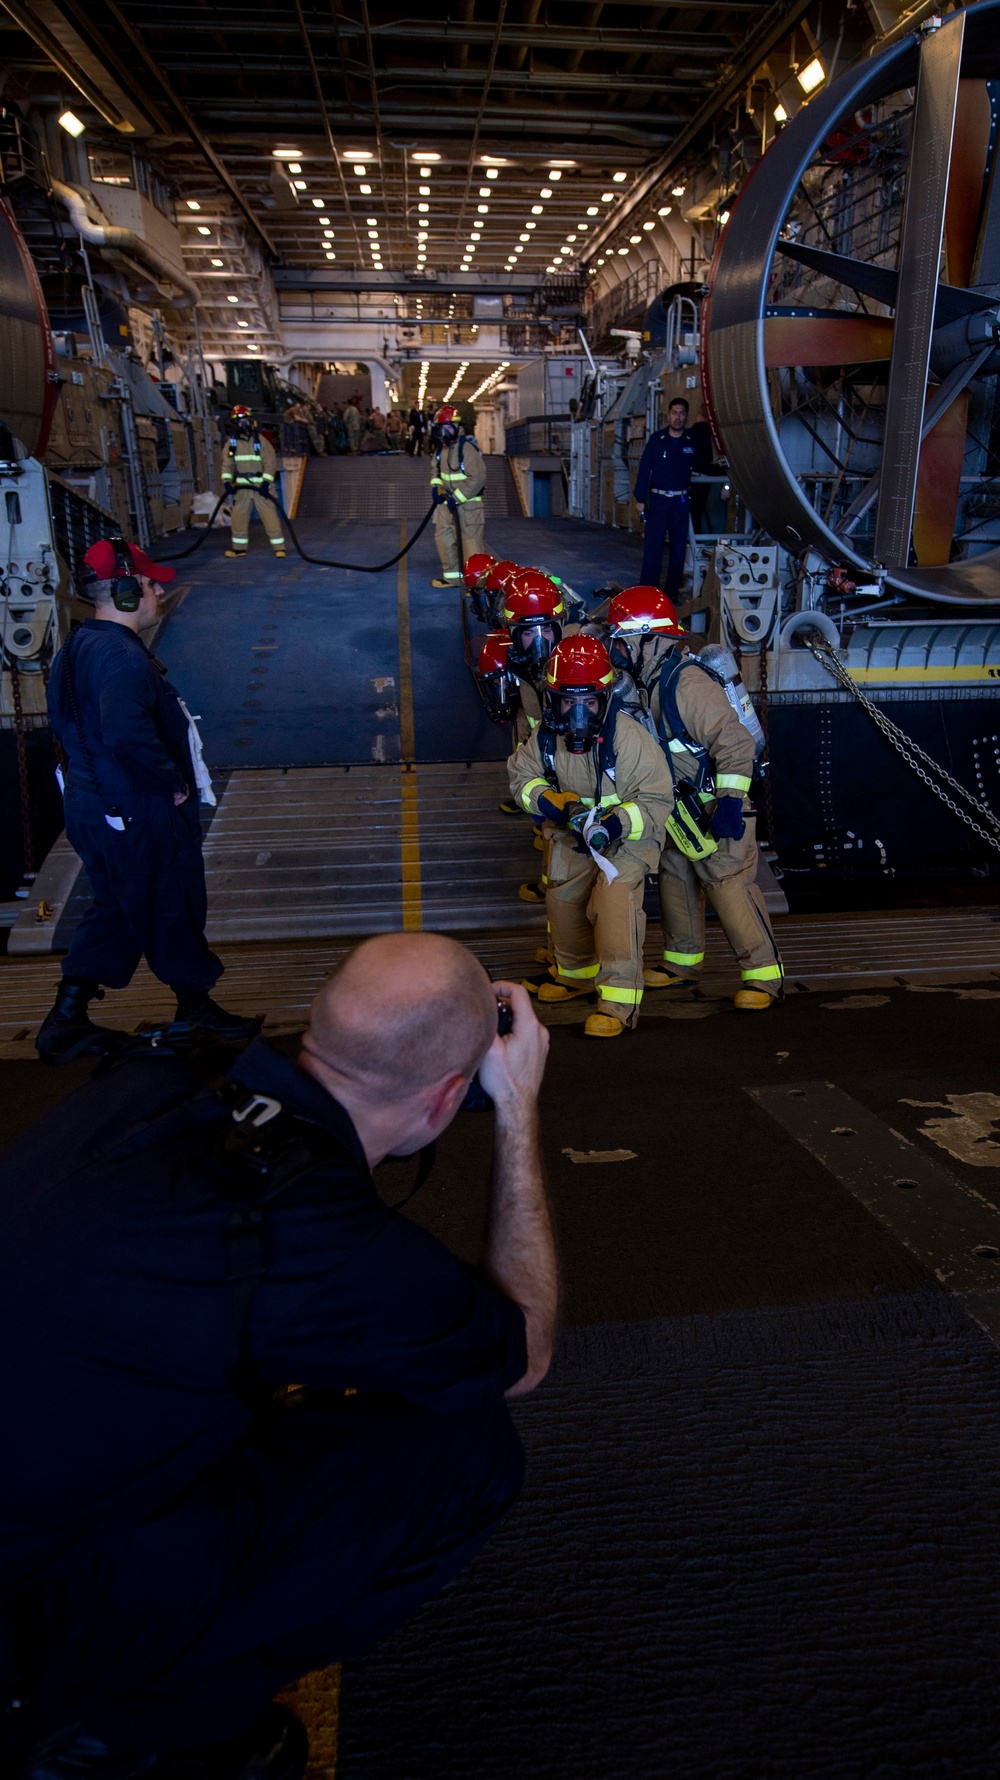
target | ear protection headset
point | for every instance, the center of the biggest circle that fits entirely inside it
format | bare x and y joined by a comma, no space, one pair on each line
126,588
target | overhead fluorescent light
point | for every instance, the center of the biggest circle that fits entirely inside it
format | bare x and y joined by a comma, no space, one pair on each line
218,262
780,114
192,203
319,203
664,210
294,167
202,229
424,155
619,178
71,124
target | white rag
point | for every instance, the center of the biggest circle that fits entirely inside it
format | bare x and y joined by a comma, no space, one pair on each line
202,776
610,871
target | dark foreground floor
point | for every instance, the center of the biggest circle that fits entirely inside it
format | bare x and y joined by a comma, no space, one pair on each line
761,1529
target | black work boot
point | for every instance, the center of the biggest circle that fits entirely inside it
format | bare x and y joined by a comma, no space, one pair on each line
68,1031
274,1748
195,1008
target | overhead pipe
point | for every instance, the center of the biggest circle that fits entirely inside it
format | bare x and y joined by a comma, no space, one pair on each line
106,234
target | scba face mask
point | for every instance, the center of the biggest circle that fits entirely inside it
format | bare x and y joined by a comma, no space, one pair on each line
501,696
579,718
532,644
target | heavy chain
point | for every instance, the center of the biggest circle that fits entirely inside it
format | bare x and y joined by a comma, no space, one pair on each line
909,750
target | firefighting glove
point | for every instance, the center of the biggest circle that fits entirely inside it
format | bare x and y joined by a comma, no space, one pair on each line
437,495
727,819
557,806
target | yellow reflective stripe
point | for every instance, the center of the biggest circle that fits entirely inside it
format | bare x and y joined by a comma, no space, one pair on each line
454,476
686,958
459,496
435,481
533,722
733,782
543,880
635,819
542,784
586,971
587,802
767,973
452,575
631,997
677,747
609,800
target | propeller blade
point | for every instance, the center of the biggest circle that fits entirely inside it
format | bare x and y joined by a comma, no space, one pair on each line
881,282
830,339
919,264
938,484
973,124
938,402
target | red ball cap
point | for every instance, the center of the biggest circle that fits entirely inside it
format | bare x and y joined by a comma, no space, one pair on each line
101,559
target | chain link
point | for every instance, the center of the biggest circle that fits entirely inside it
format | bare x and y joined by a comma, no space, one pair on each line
909,750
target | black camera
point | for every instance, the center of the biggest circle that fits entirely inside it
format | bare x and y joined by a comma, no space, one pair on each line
476,1097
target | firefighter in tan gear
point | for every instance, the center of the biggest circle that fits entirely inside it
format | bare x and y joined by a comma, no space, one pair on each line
249,468
604,784
457,486
710,732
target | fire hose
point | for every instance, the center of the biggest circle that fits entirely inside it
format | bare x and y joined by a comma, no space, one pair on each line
321,562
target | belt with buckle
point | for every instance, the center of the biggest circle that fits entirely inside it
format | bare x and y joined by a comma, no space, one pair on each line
669,493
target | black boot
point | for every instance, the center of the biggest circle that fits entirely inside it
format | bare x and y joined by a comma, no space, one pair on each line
196,1008
274,1748
68,1031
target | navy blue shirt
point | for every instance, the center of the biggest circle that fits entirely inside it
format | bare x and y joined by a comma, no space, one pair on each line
117,1334
667,464
135,729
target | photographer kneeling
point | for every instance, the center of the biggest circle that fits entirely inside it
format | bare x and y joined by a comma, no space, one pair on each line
179,1541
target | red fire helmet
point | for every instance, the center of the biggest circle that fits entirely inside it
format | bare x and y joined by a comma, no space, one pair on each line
638,611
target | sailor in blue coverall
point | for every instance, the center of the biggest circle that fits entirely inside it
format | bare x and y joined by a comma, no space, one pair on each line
661,494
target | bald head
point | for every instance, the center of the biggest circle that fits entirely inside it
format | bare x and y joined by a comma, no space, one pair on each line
403,1011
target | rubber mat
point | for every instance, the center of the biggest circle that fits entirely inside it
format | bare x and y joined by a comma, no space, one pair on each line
756,1545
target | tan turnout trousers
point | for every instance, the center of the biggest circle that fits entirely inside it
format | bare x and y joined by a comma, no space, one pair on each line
247,501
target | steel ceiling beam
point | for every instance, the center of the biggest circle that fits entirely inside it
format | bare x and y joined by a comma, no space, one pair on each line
779,21
67,65
218,167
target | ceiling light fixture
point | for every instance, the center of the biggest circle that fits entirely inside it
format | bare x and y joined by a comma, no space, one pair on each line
493,173
484,191
538,210
619,178
483,209
554,173
218,262
299,184
423,209
427,155
330,254
607,197
242,324
546,192
592,210
193,204
650,225
232,299
319,203
664,210
780,114
562,164
361,171
365,190
723,217
295,167
623,250
635,239
202,229
71,124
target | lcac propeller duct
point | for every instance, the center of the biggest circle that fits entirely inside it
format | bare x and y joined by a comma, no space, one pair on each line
851,336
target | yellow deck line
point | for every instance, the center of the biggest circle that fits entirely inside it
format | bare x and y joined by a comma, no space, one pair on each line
409,820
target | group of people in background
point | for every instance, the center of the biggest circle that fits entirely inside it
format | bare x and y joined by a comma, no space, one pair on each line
352,427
